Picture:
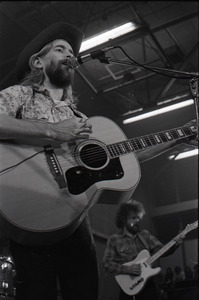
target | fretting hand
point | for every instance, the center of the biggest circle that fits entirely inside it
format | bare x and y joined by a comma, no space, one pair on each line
193,140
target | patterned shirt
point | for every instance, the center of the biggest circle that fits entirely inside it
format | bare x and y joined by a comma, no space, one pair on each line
25,102
122,248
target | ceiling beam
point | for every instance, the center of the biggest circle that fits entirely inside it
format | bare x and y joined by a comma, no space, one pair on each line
174,22
171,81
175,208
163,55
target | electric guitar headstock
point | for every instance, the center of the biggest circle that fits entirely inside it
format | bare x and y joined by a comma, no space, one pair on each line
191,227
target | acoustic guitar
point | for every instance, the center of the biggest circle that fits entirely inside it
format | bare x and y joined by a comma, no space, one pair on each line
46,189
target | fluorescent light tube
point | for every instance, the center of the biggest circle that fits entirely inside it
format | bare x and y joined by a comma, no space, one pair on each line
184,154
107,35
158,111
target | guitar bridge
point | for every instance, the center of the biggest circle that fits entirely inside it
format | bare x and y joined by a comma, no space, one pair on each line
54,166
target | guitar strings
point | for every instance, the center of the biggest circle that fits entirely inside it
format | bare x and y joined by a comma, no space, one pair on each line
115,150
135,143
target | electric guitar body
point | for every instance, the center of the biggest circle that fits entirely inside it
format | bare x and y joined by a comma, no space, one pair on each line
132,285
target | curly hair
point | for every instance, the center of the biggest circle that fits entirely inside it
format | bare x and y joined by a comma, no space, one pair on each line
124,210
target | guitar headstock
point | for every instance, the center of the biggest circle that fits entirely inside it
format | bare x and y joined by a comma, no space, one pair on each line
191,226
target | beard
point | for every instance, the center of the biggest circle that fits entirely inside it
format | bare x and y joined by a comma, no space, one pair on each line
134,228
59,75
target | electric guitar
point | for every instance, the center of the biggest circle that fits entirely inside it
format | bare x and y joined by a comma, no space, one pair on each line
46,189
132,285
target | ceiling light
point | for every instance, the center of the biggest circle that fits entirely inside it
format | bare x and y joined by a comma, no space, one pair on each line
180,97
184,154
158,111
107,36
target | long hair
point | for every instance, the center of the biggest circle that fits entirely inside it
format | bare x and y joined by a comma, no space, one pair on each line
35,76
124,210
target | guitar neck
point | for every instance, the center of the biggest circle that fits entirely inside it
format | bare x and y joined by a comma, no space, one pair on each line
159,253
146,141
166,247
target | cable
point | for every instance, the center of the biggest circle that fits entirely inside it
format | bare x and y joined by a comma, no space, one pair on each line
19,163
156,69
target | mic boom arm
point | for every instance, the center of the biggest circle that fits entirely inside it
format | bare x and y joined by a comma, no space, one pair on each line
96,54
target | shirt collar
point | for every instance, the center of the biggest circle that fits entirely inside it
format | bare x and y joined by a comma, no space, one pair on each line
40,89
43,90
127,233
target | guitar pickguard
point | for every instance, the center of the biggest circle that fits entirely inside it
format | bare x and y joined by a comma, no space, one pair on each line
80,178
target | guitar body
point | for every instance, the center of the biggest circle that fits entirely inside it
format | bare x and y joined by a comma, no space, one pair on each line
132,285
37,208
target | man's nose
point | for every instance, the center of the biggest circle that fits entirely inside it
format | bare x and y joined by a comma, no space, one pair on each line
69,55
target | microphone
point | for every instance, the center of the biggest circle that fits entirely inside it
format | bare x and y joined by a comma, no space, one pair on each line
96,54
72,62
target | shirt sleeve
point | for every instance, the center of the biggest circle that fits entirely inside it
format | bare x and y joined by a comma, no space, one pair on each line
11,99
110,262
154,243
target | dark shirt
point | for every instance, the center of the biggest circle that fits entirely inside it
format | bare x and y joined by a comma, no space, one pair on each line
124,247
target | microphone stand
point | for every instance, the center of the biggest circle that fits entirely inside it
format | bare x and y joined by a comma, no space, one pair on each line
194,89
193,82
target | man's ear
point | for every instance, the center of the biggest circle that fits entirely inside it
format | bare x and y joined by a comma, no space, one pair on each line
37,62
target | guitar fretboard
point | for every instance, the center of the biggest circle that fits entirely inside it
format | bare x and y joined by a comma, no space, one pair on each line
166,247
146,141
161,252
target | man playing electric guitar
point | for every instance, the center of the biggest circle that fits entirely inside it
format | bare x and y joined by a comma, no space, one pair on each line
125,247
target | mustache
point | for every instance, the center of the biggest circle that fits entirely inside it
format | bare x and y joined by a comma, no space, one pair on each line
71,62
132,224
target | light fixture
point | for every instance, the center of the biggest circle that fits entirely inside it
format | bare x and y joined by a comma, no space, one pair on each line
158,111
107,35
184,154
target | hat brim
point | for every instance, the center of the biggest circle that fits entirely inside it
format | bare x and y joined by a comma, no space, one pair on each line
61,30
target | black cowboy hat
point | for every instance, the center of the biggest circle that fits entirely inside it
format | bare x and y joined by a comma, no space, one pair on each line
60,30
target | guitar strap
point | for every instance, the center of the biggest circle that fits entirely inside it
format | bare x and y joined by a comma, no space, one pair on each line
143,241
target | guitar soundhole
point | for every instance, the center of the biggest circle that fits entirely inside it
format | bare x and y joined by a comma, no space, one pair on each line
93,156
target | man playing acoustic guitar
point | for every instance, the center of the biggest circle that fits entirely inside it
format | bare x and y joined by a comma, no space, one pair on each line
37,202
43,106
